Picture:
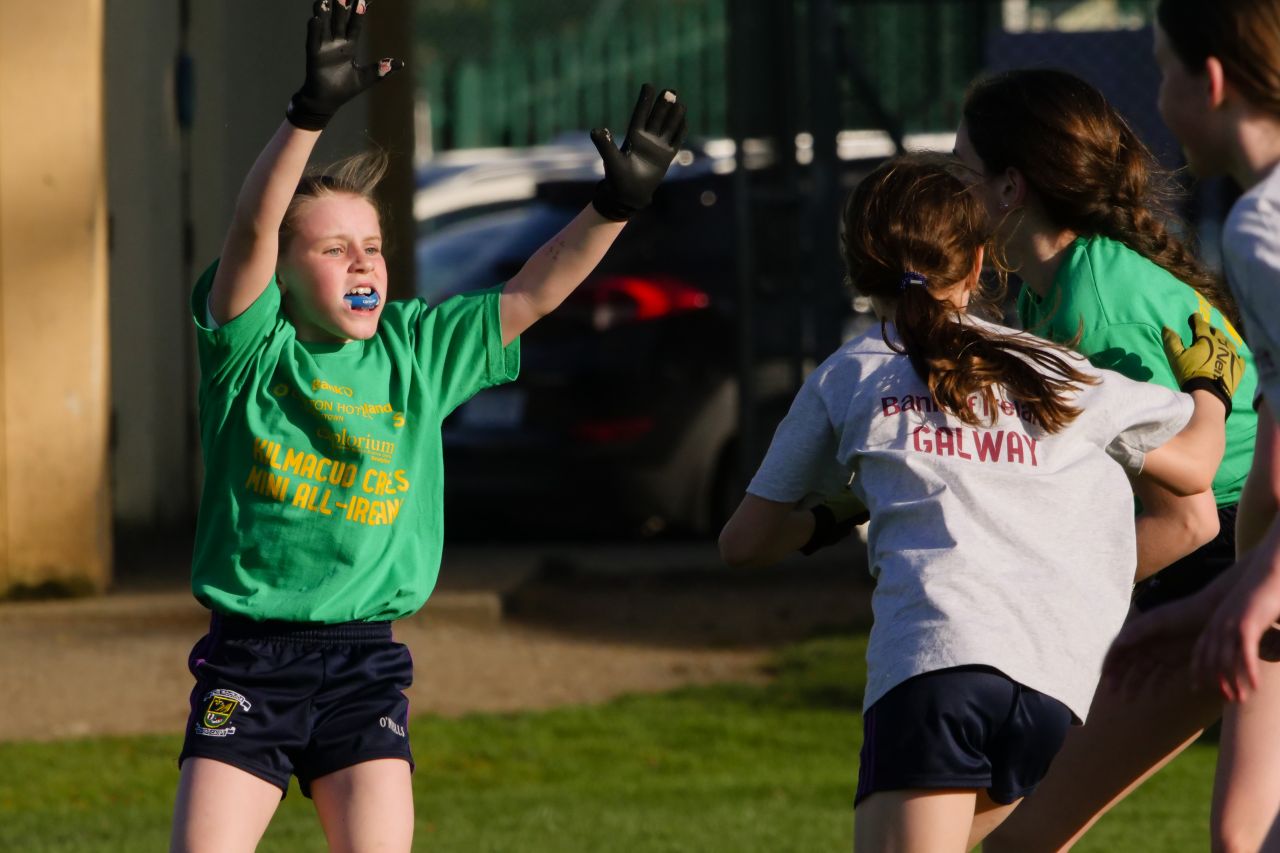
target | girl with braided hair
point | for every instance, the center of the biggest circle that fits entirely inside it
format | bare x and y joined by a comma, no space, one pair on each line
1081,213
993,464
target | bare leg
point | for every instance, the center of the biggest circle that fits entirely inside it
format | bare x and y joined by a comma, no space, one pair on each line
220,808
987,815
1246,790
368,806
914,821
1125,741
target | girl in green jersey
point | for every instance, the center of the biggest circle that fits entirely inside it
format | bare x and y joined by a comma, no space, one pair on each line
320,410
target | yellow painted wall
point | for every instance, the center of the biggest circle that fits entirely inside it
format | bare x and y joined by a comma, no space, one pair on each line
54,489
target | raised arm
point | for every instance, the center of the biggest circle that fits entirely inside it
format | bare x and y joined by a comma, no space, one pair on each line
1209,370
631,174
332,78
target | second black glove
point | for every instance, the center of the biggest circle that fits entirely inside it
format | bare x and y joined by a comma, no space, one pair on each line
633,172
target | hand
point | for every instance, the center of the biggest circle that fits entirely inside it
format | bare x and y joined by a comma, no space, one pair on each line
1210,364
1240,633
632,173
834,519
333,78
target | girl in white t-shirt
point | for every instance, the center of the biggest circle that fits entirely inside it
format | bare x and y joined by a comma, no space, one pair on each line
993,465
1220,95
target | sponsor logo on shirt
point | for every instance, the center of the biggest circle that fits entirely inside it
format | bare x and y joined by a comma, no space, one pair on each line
969,443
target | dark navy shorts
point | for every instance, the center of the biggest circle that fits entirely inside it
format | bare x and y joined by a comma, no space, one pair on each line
966,727
1193,572
280,698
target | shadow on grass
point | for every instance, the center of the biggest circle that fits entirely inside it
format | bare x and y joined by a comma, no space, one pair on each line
695,606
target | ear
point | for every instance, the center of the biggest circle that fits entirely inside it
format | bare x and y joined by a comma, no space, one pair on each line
1217,82
970,284
1013,189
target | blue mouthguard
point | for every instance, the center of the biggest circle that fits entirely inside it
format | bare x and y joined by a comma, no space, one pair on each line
366,302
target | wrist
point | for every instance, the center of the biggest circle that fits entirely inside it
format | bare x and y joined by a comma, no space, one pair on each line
303,112
824,522
1211,387
608,205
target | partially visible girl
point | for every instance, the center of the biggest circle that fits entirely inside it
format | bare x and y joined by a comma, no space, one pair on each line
993,464
1080,212
1220,95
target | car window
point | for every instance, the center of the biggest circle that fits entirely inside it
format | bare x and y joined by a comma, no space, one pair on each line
485,250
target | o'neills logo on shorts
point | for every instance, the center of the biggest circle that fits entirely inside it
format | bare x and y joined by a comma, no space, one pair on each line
219,705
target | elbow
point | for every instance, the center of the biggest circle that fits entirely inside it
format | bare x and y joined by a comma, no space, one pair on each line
1199,528
1201,482
735,553
739,549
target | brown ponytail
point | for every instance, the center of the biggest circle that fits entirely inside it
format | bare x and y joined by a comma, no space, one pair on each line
1089,170
912,215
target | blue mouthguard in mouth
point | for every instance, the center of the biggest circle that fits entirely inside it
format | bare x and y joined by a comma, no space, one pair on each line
366,302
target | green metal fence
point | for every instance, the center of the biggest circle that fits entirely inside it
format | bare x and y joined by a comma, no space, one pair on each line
528,90
910,61
521,72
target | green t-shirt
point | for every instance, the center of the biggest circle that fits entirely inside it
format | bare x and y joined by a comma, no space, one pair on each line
1118,301
323,465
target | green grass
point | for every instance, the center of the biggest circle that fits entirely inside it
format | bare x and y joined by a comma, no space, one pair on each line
728,768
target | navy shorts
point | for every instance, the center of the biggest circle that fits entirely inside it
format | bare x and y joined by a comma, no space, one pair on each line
279,698
966,727
1193,572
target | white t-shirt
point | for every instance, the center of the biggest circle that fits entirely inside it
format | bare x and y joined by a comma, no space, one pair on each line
1003,545
1251,254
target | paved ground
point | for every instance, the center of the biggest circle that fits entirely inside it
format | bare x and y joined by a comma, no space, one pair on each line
510,628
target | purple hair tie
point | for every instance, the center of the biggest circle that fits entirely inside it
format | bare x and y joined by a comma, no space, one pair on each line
910,278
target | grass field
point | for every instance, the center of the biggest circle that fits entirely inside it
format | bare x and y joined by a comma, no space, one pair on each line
769,769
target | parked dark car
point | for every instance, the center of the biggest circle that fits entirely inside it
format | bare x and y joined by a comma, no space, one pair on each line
625,416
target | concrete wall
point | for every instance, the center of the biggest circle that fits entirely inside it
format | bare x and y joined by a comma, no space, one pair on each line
109,208
54,493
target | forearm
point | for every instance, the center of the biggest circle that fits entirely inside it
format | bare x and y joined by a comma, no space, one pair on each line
1259,499
1171,527
1186,464
268,188
555,270
746,548
251,247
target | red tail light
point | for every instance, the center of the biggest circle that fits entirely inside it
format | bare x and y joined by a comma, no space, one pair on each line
619,299
613,430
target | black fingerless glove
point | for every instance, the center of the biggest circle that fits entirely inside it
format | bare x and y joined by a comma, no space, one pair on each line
333,77
833,520
632,173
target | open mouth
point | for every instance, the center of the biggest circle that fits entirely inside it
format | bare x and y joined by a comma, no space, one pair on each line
362,298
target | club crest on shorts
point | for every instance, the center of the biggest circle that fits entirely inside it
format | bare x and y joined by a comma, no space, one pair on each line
219,705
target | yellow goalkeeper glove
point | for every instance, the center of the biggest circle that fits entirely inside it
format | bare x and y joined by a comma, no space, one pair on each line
1210,364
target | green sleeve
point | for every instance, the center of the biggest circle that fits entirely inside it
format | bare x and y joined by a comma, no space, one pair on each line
460,347
225,351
